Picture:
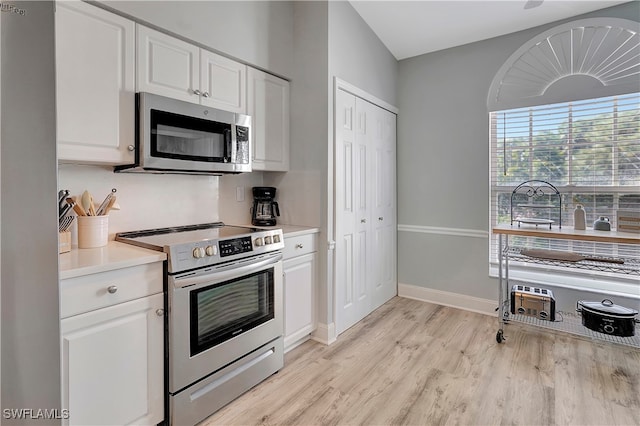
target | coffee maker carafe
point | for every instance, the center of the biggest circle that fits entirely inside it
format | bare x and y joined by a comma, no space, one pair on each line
265,208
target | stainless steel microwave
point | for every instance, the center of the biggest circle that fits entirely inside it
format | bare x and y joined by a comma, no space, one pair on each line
174,136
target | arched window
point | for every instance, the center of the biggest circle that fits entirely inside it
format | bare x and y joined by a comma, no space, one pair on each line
565,109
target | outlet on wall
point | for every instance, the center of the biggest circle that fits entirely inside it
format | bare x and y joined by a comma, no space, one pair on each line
239,193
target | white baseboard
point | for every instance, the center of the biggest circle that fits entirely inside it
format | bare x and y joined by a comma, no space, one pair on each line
325,333
445,298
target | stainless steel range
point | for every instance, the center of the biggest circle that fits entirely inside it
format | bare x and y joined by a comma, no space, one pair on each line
224,304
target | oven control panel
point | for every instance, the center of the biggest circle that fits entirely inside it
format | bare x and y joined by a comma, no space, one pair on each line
235,246
208,252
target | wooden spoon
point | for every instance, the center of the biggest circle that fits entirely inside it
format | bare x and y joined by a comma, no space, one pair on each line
87,203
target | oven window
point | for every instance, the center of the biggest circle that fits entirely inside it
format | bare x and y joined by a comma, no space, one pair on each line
189,138
222,311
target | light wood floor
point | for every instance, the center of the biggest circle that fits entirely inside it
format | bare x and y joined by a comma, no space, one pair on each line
415,363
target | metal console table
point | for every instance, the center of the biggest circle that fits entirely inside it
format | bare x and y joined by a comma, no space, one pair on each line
570,323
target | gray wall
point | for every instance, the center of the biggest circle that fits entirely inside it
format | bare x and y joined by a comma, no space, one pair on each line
254,32
357,56
443,159
330,39
29,282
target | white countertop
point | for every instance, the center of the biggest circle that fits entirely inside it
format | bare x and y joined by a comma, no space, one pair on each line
117,255
114,255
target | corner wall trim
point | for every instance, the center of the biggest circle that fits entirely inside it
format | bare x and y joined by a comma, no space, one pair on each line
458,232
445,298
324,333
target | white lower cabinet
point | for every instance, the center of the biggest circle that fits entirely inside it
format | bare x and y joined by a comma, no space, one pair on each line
112,357
299,268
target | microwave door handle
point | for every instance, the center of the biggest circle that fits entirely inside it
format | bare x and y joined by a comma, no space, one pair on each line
229,139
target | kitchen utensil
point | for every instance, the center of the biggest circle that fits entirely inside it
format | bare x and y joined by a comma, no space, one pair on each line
87,203
65,223
62,196
565,256
64,210
607,317
76,206
112,202
101,209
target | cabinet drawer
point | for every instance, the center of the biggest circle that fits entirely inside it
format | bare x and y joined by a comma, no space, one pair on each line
299,245
94,291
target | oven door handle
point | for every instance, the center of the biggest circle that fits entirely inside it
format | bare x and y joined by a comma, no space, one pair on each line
226,272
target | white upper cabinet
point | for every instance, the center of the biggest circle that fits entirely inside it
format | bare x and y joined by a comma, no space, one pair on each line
268,106
223,82
167,66
174,68
95,86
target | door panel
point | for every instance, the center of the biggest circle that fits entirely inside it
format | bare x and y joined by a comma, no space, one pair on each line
365,216
167,66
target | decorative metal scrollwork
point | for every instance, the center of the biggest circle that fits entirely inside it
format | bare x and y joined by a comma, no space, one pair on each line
534,190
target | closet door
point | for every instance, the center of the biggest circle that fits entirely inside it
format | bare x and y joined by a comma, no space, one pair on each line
351,216
365,208
384,218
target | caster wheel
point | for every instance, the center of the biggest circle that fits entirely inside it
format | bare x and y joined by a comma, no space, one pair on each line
499,336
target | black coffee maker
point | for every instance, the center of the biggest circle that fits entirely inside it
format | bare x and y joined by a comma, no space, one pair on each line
265,208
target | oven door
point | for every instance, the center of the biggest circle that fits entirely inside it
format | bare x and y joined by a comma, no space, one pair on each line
220,314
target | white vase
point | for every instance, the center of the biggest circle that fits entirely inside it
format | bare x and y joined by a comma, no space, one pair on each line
579,218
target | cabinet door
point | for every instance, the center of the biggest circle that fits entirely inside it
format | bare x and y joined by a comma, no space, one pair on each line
268,106
299,298
95,92
223,82
112,364
167,66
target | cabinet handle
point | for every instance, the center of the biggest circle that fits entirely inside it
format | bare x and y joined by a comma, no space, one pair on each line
381,218
159,312
299,246
197,92
363,220
205,95
112,289
131,147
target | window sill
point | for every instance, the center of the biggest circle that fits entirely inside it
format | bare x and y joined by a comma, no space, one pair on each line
611,284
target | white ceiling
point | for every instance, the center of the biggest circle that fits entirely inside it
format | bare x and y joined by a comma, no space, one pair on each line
411,28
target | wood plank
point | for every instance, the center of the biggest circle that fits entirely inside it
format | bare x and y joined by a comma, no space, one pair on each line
414,363
567,233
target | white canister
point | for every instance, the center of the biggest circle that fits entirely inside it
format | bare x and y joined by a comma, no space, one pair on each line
93,231
579,218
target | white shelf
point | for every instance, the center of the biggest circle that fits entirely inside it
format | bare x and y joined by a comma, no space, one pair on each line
571,323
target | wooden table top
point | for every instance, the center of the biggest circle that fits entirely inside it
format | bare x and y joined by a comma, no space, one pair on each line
568,233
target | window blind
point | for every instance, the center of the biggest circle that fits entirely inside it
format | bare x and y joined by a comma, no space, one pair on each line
588,149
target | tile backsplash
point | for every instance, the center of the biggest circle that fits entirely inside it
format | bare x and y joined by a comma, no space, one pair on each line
153,201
